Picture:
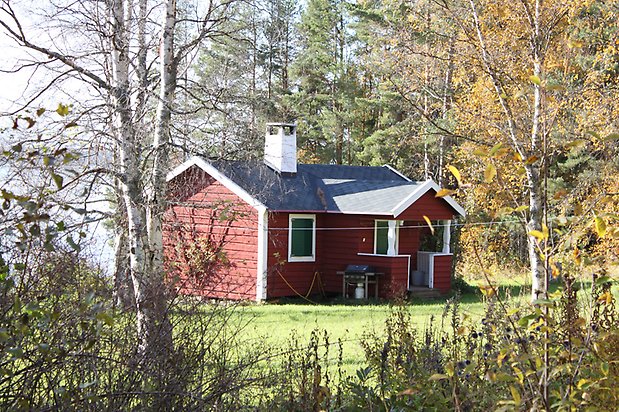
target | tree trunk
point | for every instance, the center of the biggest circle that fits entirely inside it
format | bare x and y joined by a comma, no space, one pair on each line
154,325
443,145
426,103
523,148
123,287
539,285
145,250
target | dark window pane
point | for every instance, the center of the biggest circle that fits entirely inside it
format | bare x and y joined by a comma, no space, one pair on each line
382,244
302,237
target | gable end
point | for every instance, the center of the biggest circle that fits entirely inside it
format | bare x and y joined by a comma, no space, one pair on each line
217,175
422,190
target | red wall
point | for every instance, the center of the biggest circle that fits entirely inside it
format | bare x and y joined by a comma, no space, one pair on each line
207,219
427,205
283,277
339,247
442,273
339,240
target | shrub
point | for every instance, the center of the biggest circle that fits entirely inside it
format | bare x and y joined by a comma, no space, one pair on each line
534,357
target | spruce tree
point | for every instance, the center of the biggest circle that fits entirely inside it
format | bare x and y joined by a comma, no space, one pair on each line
325,82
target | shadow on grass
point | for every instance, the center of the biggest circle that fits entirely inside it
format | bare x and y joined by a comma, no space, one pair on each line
330,301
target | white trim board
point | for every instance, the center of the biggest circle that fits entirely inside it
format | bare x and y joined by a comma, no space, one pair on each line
397,172
311,258
385,256
261,261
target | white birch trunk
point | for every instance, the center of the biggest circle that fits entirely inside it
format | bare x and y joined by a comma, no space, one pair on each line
539,286
519,144
123,287
153,323
446,108
153,326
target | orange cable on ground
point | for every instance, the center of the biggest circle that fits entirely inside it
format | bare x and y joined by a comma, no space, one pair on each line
305,297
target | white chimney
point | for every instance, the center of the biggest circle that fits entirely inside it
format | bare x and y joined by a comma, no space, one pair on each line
280,147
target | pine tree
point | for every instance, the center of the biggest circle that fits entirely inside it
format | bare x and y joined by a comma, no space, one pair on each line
325,82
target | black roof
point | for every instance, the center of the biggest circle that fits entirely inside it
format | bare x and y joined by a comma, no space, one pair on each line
336,188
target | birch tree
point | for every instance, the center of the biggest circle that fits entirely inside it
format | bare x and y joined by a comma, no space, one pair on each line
125,84
509,46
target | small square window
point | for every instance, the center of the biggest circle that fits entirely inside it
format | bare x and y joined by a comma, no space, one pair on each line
302,238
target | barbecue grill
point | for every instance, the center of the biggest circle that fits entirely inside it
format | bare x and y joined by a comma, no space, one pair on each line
356,273
360,276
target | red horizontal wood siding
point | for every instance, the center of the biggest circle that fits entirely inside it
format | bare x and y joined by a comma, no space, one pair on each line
286,278
210,239
428,205
393,283
442,272
345,236
409,238
339,240
206,216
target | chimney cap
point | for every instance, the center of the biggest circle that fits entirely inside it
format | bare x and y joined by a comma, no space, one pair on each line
282,124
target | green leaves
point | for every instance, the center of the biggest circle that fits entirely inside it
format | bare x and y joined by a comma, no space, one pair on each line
62,110
495,149
72,243
603,280
58,180
15,352
438,377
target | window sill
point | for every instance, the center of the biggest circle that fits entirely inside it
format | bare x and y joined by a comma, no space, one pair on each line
380,255
301,259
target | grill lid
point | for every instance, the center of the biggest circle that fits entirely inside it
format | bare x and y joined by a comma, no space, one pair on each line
359,269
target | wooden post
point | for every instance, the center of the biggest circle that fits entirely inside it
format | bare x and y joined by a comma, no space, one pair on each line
391,237
446,236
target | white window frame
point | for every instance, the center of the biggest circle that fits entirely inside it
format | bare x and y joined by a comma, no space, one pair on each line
311,258
398,223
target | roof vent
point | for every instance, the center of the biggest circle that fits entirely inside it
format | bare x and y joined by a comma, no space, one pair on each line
280,147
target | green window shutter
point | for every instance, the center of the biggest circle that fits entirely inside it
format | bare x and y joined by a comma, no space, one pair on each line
382,244
302,237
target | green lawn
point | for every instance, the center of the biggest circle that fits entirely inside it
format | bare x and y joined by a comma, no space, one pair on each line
274,324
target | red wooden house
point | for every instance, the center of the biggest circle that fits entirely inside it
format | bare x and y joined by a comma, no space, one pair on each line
243,230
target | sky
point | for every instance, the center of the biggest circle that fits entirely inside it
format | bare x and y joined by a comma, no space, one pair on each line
16,87
13,84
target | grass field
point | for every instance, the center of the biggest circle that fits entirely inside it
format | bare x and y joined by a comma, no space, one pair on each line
274,324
